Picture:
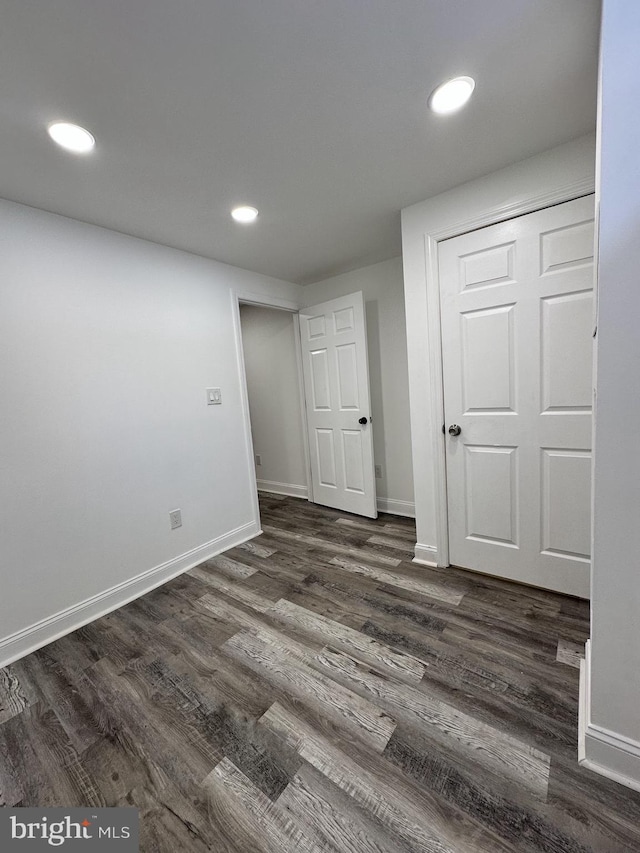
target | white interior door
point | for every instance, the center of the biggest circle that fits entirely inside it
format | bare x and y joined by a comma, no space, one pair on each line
336,384
516,304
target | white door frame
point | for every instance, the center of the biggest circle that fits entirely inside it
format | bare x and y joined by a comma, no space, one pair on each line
263,300
454,228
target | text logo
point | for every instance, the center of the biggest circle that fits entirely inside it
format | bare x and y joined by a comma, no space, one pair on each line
34,829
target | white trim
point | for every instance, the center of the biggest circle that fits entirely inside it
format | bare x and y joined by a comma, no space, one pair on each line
491,216
244,405
528,203
389,505
71,618
303,405
426,555
611,755
265,300
548,178
436,399
583,700
282,488
396,507
614,775
601,750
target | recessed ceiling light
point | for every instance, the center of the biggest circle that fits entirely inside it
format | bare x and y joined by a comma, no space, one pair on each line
452,95
71,136
244,214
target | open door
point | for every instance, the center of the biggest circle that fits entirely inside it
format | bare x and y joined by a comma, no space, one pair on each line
336,385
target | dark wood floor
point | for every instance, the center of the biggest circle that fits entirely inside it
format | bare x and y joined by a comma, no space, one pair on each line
313,690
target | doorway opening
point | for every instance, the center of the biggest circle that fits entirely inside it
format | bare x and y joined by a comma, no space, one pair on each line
306,398
275,399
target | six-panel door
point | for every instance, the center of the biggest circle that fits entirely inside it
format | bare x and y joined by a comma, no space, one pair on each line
336,383
517,323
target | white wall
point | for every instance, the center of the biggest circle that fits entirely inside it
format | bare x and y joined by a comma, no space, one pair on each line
612,710
273,386
525,186
107,345
382,285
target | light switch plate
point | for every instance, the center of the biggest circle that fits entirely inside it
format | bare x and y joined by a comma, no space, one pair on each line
214,397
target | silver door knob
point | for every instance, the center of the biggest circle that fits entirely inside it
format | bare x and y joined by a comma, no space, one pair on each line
454,429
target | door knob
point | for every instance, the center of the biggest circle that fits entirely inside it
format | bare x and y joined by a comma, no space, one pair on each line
454,429
362,421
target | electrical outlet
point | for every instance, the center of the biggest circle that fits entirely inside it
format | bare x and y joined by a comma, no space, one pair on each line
214,397
258,459
175,518
378,470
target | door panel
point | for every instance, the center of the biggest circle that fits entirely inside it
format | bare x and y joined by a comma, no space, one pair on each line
567,247
487,267
487,360
336,381
566,503
348,397
565,325
516,306
326,458
320,386
352,452
493,469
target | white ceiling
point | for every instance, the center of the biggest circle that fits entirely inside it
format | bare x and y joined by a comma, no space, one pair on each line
313,111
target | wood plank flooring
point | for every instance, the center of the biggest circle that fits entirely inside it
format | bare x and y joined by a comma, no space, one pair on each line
314,691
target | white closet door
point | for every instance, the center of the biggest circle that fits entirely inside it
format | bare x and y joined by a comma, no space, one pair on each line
336,383
517,316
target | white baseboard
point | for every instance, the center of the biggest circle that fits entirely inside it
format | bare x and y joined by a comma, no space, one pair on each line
71,618
599,749
426,555
395,507
283,488
584,691
390,505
